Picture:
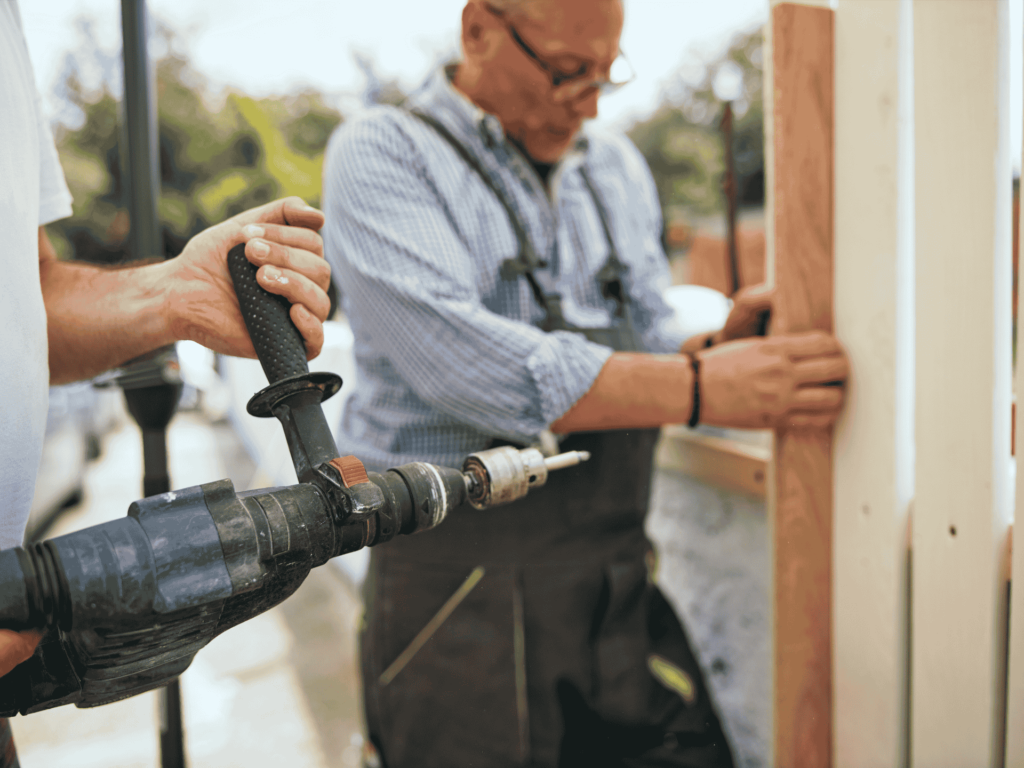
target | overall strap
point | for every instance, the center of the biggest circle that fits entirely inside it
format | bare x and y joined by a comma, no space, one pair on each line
609,276
611,273
527,260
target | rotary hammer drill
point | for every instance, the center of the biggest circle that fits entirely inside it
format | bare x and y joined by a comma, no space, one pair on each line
126,605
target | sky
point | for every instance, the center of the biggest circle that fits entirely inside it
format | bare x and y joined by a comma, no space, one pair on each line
278,47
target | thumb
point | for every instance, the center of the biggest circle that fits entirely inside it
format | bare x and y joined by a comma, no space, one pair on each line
291,211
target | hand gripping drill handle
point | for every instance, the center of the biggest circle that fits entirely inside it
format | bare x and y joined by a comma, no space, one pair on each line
127,604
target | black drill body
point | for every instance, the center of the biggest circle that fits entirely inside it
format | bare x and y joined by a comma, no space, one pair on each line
126,605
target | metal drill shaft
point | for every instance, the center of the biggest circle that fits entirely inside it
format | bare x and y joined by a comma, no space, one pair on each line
567,459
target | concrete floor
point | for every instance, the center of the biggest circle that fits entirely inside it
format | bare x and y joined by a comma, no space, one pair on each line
282,689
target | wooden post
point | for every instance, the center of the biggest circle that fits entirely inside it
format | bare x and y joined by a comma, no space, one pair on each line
874,438
802,195
963,278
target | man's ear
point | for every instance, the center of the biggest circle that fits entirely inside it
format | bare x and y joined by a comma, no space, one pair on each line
476,21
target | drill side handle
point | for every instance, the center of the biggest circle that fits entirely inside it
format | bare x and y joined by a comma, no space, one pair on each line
294,394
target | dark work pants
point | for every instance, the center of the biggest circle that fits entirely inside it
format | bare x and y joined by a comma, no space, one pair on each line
563,654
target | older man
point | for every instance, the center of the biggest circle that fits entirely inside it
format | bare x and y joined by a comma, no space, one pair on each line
502,271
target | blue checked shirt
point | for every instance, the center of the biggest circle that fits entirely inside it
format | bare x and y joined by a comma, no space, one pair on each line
449,354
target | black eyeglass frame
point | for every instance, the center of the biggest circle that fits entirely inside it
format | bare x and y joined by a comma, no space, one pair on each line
557,77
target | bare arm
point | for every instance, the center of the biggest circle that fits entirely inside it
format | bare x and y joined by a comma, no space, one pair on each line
98,318
633,390
748,384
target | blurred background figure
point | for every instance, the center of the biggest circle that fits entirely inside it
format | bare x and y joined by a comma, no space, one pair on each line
248,94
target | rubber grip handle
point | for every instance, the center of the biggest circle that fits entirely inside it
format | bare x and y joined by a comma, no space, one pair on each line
278,343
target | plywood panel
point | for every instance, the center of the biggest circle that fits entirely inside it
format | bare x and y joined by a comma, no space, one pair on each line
802,185
873,442
963,383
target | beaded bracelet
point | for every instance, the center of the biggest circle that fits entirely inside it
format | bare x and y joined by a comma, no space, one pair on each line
695,413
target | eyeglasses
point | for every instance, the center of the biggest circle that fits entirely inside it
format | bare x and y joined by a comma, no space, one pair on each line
570,86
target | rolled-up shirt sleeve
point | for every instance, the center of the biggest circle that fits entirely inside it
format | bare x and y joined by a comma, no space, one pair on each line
408,279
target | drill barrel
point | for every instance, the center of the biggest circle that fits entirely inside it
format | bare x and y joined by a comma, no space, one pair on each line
128,603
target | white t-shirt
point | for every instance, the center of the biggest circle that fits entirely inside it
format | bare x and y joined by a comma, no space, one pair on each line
32,193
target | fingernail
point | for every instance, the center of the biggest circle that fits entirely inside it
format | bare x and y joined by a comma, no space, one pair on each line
274,274
260,248
251,230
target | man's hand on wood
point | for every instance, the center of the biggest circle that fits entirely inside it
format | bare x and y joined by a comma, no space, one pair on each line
788,381
745,317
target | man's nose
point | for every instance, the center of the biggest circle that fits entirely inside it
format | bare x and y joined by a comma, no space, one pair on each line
586,107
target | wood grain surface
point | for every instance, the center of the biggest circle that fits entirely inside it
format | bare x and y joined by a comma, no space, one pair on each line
803,104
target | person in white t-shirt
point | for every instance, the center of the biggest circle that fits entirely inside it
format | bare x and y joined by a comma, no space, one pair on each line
61,322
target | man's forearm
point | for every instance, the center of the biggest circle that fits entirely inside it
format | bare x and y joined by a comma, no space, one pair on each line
99,318
633,390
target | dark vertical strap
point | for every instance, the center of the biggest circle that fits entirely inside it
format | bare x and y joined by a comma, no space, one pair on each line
527,262
613,269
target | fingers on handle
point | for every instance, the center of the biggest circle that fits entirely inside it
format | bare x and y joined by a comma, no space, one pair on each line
312,330
297,288
296,259
293,211
295,237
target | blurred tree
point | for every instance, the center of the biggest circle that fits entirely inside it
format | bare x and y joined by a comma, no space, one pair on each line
219,153
682,142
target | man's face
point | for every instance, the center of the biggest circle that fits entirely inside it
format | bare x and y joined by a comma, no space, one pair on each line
568,42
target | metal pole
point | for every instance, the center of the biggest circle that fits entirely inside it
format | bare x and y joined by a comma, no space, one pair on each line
151,389
142,171
729,188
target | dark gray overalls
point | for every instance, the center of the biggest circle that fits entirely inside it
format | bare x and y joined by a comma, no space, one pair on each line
564,653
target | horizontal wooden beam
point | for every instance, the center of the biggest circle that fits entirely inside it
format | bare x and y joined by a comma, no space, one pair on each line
733,465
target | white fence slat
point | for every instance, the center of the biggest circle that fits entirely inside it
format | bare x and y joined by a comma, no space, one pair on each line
873,477
962,383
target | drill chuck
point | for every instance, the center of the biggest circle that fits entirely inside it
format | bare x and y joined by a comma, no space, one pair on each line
502,475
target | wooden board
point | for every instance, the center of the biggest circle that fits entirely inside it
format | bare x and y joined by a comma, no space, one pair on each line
802,186
873,483
963,275
729,464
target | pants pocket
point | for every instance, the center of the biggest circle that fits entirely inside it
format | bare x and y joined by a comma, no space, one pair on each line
453,700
